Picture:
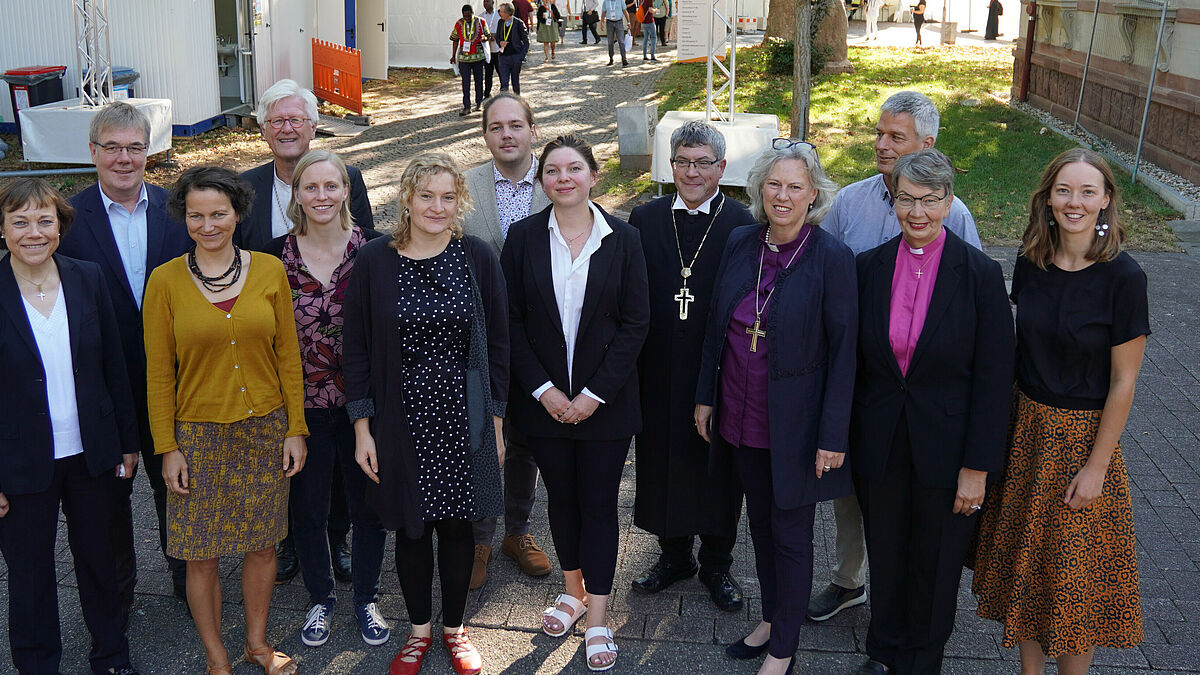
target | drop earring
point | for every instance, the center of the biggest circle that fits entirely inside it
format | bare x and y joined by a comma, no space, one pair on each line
1101,224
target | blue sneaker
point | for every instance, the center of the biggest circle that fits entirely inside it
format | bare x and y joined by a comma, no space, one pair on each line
375,629
316,626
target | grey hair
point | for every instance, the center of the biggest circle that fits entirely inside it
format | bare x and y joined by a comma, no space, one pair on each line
697,133
928,168
282,89
118,115
923,111
508,8
826,188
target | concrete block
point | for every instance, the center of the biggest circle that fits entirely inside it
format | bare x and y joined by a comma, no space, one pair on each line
635,133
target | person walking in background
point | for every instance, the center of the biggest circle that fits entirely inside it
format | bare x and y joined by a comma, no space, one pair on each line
614,28
524,10
932,392
503,191
318,256
662,14
579,314
426,363
649,37
121,224
995,11
679,496
783,277
547,32
71,433
872,19
491,65
226,395
513,39
1056,553
469,39
918,12
588,18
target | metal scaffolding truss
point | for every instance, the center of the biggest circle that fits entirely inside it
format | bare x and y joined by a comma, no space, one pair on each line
92,52
719,20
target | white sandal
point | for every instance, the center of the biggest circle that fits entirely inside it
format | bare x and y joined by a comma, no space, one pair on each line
578,609
608,646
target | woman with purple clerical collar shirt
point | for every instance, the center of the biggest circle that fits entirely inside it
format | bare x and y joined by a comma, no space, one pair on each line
930,414
776,380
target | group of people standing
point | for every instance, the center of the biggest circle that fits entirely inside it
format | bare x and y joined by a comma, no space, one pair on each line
245,334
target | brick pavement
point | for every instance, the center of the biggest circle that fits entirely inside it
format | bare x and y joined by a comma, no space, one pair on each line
679,631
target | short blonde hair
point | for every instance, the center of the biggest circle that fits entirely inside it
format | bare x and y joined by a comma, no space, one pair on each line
295,212
422,167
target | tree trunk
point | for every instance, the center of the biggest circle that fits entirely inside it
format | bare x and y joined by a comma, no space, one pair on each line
781,19
801,79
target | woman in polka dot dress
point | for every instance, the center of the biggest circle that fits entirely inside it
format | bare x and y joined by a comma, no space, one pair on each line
425,358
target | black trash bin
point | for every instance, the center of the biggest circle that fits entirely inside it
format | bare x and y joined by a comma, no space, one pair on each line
33,86
123,79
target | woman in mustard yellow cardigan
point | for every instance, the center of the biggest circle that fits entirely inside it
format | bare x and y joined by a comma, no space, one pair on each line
226,407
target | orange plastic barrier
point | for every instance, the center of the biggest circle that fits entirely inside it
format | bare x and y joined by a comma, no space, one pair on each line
337,74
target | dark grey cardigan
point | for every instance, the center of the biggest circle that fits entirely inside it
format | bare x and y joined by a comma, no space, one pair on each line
374,380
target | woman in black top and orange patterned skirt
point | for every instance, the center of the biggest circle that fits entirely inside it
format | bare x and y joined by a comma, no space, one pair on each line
1055,556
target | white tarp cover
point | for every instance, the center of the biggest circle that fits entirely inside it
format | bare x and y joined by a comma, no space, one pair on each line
58,132
419,34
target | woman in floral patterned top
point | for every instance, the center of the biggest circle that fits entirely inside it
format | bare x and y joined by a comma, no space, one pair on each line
318,255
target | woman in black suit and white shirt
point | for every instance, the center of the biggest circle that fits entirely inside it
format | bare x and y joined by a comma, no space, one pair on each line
579,314
67,432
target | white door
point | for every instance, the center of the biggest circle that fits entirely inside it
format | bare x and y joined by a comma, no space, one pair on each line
331,21
370,27
264,63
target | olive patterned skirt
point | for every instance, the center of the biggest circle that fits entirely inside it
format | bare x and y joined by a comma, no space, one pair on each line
1065,579
238,494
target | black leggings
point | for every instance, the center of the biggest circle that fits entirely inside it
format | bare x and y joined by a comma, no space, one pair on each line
414,567
582,479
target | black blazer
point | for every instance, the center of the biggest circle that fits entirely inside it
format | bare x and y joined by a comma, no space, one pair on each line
958,390
106,419
254,232
518,39
91,238
612,328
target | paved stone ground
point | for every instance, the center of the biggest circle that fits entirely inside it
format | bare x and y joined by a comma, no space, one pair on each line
679,631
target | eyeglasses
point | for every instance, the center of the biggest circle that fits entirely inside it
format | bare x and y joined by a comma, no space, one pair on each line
295,122
929,202
114,149
701,164
787,143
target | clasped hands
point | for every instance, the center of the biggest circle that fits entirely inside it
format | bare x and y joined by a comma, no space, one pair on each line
568,411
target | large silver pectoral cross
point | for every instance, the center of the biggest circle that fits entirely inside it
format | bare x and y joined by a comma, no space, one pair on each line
684,297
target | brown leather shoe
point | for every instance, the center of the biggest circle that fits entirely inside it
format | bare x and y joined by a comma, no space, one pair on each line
479,569
523,549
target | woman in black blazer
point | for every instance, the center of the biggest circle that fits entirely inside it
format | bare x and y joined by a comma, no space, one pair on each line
67,432
579,314
935,370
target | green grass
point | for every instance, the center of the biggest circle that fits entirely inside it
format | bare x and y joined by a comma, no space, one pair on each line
999,152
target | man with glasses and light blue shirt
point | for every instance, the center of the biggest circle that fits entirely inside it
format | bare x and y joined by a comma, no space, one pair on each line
614,28
863,216
121,224
287,117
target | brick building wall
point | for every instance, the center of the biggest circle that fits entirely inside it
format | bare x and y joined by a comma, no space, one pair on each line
1119,72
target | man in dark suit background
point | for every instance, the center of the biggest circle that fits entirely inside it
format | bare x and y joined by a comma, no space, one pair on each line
678,495
121,224
287,117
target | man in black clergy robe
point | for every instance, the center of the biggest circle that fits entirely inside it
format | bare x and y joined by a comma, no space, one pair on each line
683,236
